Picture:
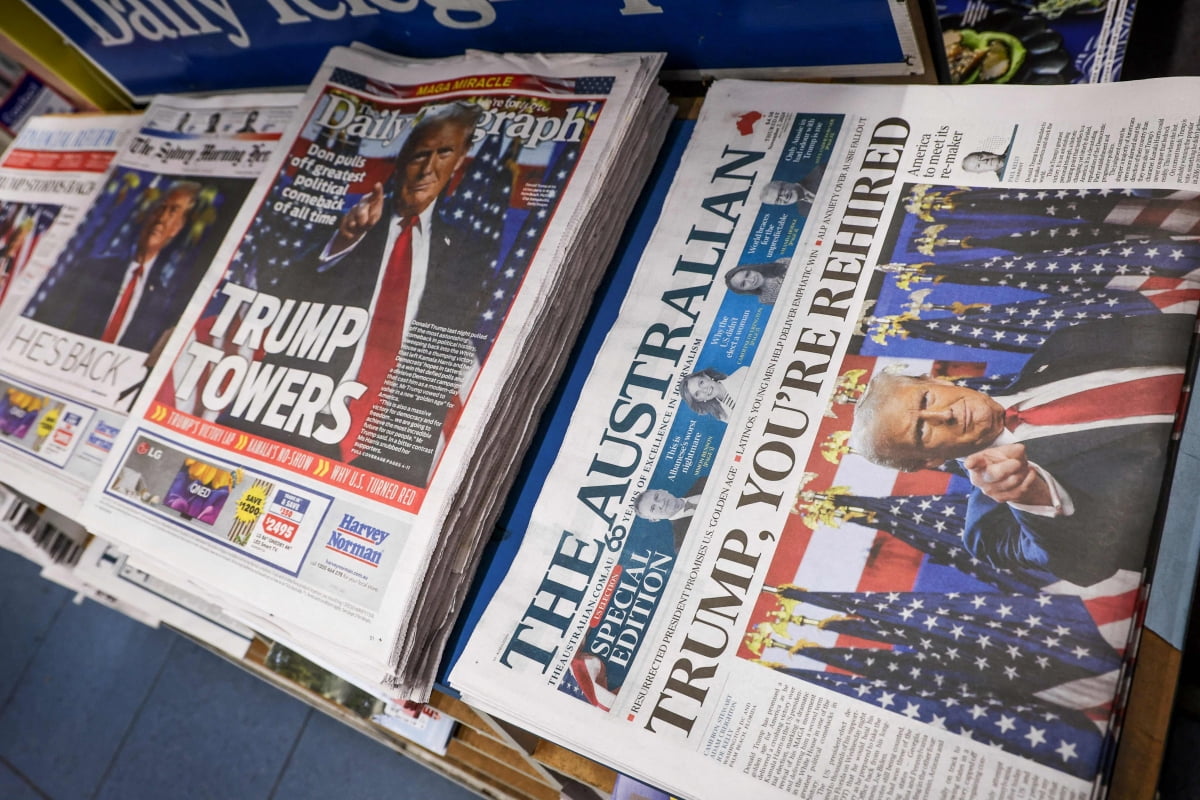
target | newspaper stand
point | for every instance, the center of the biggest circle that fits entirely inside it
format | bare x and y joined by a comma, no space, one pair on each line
500,761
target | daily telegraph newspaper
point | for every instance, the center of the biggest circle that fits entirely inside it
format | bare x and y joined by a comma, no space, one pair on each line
85,321
331,398
860,496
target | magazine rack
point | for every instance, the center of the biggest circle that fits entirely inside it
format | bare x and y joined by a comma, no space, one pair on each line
499,760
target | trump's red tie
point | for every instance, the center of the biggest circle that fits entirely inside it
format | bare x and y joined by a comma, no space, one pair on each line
117,319
387,333
1142,397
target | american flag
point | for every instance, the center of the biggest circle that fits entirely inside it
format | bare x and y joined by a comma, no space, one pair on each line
1059,737
1097,264
271,244
525,223
998,656
480,200
894,610
107,226
274,240
1018,326
1024,216
999,269
23,225
932,524
596,84
896,613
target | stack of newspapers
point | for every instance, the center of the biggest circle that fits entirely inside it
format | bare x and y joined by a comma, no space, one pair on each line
82,198
289,355
859,497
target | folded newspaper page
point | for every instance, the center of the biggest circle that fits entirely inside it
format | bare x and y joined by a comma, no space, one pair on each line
88,316
860,497
327,434
49,177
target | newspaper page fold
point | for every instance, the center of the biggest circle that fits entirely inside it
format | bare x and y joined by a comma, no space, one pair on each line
88,317
859,496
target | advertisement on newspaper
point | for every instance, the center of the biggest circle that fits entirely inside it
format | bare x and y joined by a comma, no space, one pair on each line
293,439
87,322
862,491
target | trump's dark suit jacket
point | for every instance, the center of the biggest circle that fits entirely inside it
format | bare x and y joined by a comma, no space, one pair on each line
1113,475
81,299
455,295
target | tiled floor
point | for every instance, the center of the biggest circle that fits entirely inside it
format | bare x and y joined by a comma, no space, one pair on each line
95,706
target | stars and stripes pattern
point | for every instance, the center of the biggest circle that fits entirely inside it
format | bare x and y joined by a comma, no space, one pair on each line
1059,737
1031,215
1020,326
271,244
897,613
365,84
596,84
24,224
1052,635
274,240
524,229
481,198
107,226
995,657
1047,271
1044,259
934,525
1018,659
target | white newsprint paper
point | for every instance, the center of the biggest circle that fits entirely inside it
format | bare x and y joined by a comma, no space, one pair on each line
859,498
49,177
329,434
85,320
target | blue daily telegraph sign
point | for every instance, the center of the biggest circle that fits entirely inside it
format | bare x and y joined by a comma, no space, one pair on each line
167,46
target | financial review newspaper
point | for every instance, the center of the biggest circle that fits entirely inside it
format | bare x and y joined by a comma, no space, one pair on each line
794,542
135,227
49,177
311,450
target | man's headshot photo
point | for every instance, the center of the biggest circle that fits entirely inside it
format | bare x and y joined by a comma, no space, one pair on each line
248,124
799,194
657,505
130,297
983,161
911,422
785,193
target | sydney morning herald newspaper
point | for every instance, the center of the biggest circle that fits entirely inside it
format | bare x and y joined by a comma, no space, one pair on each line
858,498
48,179
301,446
85,321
